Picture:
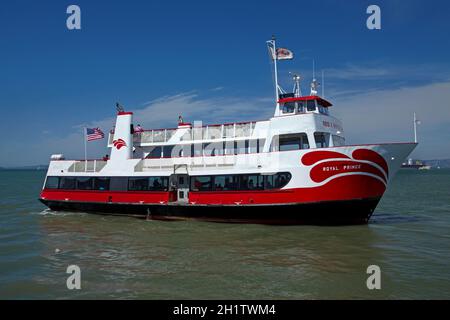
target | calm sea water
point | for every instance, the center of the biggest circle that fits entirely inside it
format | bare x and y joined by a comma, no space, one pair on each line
120,257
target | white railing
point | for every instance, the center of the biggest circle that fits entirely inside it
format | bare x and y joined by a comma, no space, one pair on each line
87,166
212,132
153,136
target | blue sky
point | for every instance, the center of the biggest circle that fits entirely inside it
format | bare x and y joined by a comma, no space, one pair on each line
207,60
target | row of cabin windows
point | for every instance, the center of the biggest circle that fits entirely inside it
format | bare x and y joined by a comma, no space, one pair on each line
298,141
161,183
208,149
108,183
303,106
240,182
77,183
285,142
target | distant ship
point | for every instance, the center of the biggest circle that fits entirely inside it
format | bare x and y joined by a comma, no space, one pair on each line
415,164
293,168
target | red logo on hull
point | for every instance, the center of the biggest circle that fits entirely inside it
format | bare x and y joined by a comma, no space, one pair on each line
119,143
362,161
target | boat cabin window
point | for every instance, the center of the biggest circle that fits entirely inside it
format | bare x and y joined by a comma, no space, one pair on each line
85,183
51,183
197,150
148,183
67,183
288,107
338,141
155,152
242,146
158,183
201,183
277,181
167,151
256,146
138,184
322,139
213,148
301,106
297,107
230,147
311,105
286,142
226,183
101,184
118,183
252,182
322,108
181,150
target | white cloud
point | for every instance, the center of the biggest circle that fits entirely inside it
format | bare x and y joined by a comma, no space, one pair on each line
387,116
159,113
354,72
386,72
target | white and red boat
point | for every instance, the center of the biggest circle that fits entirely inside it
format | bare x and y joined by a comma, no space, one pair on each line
293,168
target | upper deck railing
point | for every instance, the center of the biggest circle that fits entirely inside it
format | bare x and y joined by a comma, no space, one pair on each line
209,132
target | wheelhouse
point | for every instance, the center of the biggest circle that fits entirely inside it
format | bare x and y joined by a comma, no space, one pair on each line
299,105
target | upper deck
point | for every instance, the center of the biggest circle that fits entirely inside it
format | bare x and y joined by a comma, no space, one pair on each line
187,133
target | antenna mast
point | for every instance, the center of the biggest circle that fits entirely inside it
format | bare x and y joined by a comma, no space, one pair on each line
273,52
323,85
297,89
314,69
415,128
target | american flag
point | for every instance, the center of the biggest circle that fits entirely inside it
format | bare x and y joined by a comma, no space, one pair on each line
94,134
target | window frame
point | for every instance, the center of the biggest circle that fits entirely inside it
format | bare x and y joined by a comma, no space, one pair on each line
46,186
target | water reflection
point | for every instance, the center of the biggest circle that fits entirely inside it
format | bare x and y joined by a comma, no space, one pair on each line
151,259
392,218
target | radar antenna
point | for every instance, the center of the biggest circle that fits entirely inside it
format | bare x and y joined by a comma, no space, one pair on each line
314,86
297,89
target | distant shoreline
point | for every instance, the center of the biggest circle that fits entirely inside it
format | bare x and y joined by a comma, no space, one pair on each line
27,168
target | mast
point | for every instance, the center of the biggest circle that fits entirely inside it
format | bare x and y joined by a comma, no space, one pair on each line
278,54
415,128
323,86
85,148
273,51
297,89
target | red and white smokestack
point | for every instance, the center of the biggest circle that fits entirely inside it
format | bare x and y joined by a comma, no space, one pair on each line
122,148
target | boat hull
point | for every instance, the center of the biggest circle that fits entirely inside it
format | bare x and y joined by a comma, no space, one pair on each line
327,186
343,212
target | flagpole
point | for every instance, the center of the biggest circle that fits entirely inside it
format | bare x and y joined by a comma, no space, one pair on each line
275,58
415,128
85,148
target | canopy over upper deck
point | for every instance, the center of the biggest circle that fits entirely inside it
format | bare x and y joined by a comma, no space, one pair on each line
319,100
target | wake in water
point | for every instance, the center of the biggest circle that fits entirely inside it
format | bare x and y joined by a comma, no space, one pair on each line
390,218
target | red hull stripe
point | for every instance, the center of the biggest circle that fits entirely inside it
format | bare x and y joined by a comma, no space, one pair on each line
342,188
106,196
